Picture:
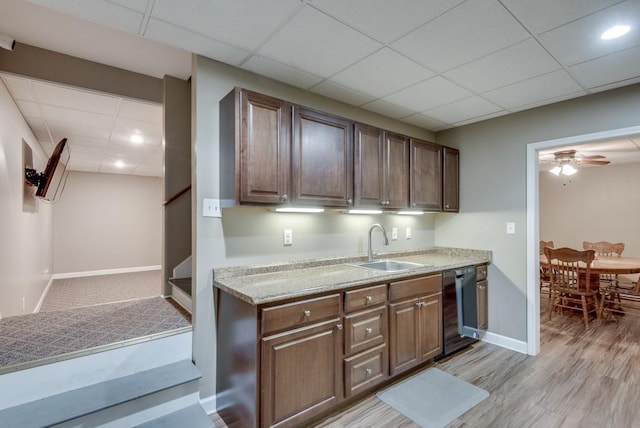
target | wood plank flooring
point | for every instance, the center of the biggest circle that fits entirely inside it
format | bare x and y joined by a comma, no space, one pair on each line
580,379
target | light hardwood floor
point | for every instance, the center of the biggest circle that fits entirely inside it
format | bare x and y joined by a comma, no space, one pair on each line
580,379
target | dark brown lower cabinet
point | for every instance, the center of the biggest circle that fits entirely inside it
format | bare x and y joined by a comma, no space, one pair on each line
301,373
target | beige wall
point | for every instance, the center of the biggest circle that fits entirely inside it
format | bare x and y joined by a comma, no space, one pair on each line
107,221
25,236
493,188
595,204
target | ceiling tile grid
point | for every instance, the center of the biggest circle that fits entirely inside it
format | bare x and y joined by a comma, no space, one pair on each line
434,64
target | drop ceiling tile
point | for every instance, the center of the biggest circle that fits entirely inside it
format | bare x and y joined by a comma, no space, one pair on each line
465,33
428,94
137,5
242,23
281,72
614,85
609,69
87,147
516,63
314,42
98,11
480,118
579,40
371,75
147,129
145,112
29,109
19,88
76,99
341,93
87,165
75,130
387,109
543,15
540,88
548,101
469,108
193,42
70,116
40,130
424,121
147,171
385,20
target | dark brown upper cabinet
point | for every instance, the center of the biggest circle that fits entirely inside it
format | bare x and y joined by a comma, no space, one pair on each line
381,168
450,180
322,159
255,144
426,176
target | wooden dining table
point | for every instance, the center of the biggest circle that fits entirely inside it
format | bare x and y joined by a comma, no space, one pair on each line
602,265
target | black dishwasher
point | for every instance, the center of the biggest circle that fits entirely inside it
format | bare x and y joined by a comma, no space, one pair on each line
459,310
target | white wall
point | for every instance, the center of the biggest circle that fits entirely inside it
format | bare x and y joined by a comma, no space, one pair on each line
493,188
25,237
246,235
107,221
596,204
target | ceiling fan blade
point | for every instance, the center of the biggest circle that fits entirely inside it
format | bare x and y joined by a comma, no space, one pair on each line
593,157
593,162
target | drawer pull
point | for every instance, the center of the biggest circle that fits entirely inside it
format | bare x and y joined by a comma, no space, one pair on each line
368,371
368,299
368,330
339,326
307,313
419,304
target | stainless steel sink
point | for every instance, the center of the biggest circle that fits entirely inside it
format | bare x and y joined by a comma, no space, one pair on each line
389,265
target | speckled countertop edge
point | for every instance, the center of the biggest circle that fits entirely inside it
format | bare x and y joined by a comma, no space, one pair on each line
262,284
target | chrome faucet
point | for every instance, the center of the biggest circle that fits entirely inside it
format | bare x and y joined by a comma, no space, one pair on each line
384,233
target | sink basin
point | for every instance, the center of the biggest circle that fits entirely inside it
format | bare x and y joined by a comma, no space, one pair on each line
389,265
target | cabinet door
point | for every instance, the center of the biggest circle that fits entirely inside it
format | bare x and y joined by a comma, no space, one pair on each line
450,180
397,171
265,140
322,159
482,302
404,349
431,327
426,176
369,183
301,374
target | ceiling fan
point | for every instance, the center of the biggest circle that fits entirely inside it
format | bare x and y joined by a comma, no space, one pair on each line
566,158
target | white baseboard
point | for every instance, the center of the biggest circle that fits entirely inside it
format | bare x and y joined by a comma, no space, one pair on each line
104,272
44,294
505,342
209,404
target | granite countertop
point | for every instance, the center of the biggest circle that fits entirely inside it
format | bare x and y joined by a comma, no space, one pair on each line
272,283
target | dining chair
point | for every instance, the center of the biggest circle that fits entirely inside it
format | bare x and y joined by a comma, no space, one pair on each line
544,272
610,282
570,282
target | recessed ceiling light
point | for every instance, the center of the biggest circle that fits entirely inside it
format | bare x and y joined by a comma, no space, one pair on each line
615,32
119,164
136,138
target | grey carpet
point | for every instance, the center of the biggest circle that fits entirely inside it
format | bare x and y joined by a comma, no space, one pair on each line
70,293
432,398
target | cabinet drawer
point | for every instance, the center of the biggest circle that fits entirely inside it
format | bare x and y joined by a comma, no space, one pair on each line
365,298
363,371
481,272
415,287
300,313
365,330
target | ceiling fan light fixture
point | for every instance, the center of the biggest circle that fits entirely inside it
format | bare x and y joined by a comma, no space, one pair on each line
568,169
555,170
615,32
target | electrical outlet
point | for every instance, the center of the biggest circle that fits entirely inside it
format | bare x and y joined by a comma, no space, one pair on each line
288,237
394,233
211,208
408,234
511,228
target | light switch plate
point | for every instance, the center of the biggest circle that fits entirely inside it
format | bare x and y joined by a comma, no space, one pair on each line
408,234
211,208
511,228
394,233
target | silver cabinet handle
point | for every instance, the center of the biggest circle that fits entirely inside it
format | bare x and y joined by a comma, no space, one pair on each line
350,201
368,330
368,299
284,197
339,326
307,313
368,371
